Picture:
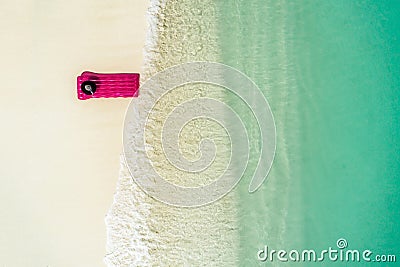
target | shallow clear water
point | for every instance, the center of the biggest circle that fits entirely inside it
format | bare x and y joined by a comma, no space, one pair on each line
330,71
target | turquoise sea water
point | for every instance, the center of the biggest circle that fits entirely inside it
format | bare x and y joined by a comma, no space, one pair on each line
330,71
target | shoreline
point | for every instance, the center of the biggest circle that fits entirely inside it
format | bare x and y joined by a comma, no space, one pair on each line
171,235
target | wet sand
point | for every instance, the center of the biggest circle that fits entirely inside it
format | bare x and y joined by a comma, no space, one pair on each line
145,232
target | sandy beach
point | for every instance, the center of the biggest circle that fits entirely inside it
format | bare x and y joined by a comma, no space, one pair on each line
329,72
60,156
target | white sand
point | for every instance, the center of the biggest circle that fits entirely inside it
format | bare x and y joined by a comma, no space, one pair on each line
59,155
